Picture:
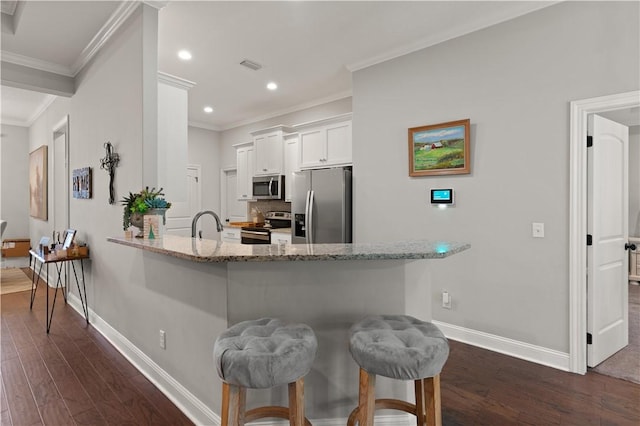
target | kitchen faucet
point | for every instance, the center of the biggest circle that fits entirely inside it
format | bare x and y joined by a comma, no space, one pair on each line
194,222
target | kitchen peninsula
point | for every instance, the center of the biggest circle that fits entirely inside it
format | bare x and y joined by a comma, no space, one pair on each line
327,286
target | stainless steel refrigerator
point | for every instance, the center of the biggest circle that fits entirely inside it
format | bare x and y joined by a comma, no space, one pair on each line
321,206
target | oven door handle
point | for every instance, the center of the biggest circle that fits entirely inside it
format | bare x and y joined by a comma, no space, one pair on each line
258,233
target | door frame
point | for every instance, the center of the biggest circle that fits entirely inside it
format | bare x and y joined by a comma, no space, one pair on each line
579,111
62,128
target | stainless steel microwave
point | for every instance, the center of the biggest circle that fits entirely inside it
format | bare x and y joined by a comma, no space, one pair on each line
268,187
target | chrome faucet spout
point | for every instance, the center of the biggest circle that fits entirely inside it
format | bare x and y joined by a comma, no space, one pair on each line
194,222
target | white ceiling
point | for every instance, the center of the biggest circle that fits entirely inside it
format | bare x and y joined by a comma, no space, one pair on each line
308,48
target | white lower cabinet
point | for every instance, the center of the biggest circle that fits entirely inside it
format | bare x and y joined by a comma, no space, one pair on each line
280,237
231,235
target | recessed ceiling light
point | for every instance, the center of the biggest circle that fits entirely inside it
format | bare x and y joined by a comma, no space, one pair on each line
185,55
208,109
272,86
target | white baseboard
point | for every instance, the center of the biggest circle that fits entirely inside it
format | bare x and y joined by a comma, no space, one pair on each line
192,407
503,345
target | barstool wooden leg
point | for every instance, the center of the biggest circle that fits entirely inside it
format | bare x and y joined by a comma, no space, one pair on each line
233,405
296,403
421,415
367,398
432,399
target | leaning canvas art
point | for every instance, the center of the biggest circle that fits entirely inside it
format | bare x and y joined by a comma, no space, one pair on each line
38,183
439,149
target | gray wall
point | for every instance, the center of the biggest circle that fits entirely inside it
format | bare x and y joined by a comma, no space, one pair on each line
514,81
14,166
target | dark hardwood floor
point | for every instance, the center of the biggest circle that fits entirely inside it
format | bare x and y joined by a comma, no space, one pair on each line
74,376
71,376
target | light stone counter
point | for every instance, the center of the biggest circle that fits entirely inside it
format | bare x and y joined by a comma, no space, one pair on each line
215,251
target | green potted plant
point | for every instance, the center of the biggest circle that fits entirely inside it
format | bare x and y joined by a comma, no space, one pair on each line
147,201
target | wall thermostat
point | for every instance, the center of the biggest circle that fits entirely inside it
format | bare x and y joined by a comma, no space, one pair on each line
442,197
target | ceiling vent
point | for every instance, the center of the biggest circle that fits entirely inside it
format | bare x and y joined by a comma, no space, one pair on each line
251,65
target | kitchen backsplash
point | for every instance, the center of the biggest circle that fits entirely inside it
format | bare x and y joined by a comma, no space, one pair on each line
268,206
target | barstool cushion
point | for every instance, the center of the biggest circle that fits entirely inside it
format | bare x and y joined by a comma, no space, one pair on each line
264,353
398,346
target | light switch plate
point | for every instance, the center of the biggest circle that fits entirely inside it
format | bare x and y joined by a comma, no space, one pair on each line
537,230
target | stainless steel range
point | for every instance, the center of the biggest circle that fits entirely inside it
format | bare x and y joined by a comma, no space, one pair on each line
262,234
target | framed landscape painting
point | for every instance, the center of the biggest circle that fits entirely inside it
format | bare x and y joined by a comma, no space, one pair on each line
440,149
38,183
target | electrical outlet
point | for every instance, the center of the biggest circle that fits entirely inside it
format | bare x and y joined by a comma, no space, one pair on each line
446,300
163,339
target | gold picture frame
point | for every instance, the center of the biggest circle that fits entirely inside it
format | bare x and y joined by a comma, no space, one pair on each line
440,149
38,183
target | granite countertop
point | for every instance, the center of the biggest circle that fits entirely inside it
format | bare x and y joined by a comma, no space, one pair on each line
215,251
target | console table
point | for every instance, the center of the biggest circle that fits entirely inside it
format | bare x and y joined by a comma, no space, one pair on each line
58,262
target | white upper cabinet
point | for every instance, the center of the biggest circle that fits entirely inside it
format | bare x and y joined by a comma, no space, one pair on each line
290,162
325,143
244,170
269,150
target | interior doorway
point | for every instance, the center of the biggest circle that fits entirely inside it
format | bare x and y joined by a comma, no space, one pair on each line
61,183
580,111
232,210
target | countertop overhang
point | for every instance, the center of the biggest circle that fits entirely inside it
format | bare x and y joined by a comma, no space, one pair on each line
202,250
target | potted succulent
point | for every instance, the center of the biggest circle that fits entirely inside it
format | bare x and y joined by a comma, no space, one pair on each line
136,205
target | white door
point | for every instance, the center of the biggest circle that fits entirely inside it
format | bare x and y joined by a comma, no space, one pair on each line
180,214
232,209
607,223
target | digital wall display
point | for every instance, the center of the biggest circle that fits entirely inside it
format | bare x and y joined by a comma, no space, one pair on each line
442,196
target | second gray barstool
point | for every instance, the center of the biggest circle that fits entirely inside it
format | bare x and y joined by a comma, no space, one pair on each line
259,354
404,348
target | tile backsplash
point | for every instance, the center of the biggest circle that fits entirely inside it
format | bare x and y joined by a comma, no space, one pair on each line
268,206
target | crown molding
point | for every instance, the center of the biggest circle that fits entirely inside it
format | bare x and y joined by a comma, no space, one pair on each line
204,126
117,18
172,80
29,62
298,107
157,4
48,100
468,28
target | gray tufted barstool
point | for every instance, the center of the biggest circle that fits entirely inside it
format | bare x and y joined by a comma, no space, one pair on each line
404,348
259,354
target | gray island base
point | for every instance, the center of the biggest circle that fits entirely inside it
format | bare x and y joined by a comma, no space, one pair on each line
327,286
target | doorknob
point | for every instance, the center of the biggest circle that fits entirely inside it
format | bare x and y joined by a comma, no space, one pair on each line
628,246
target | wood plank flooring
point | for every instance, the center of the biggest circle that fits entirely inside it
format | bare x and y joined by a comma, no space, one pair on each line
74,376
480,387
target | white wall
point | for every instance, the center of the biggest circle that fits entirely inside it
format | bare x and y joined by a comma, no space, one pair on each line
14,166
41,133
514,81
634,181
204,150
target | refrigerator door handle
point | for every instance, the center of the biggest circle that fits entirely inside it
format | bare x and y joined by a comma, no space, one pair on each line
310,227
306,217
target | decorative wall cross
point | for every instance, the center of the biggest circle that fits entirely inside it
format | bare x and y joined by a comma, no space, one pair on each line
109,163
